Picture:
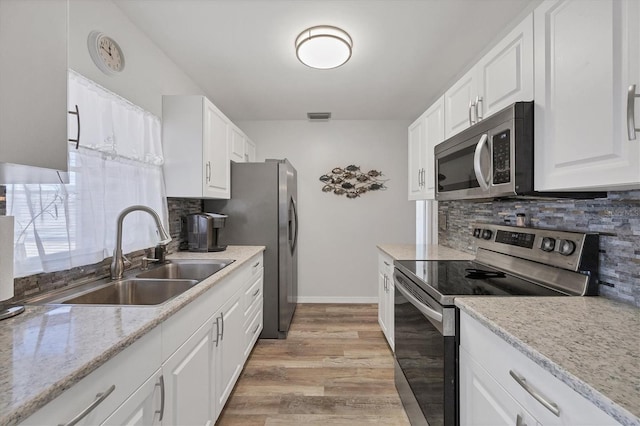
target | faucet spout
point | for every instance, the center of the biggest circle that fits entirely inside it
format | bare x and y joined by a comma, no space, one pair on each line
117,263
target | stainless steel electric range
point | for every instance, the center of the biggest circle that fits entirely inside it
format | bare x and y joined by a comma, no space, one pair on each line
510,261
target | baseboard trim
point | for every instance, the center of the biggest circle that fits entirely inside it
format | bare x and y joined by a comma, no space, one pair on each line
323,299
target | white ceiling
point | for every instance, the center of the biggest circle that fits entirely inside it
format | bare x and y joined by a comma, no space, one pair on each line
241,53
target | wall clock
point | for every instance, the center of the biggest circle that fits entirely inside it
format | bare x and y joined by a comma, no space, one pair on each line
106,53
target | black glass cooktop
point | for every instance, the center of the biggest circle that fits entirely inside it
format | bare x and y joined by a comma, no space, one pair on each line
441,279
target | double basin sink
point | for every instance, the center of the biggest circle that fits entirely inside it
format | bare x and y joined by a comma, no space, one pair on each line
154,286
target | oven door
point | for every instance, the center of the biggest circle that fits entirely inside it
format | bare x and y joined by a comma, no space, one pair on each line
463,168
425,355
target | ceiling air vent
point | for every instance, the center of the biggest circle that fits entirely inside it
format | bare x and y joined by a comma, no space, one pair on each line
318,116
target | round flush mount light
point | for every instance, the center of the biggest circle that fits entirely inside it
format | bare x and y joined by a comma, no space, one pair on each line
323,47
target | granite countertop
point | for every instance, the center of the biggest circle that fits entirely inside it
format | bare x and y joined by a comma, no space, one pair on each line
48,348
423,252
590,343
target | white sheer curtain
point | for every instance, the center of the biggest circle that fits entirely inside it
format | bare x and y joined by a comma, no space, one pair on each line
118,164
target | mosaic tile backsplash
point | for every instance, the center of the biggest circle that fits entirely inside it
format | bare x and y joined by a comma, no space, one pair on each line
29,286
616,218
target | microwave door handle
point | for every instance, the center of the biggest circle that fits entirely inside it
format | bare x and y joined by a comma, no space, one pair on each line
424,309
484,182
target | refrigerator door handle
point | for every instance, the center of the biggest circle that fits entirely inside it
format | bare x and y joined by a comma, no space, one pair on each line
294,242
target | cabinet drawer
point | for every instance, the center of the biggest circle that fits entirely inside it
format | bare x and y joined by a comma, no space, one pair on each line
500,359
385,264
126,371
252,331
252,295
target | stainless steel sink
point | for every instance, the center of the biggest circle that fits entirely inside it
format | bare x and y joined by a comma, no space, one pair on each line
186,269
133,292
152,287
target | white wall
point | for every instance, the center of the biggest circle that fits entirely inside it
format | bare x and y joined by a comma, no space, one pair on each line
337,257
148,72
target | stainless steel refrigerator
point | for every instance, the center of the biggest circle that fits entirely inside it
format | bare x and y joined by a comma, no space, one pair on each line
263,211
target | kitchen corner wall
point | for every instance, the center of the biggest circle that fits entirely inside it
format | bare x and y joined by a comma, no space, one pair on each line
337,257
616,218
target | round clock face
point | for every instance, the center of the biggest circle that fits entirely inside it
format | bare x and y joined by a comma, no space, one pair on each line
106,53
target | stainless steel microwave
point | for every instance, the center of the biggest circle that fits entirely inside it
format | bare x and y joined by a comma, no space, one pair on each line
493,158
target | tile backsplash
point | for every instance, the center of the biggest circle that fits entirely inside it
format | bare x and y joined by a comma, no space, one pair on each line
616,218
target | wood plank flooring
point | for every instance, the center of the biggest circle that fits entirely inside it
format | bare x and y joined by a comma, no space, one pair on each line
334,368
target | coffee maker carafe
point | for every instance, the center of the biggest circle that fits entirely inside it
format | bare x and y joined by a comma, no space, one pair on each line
202,231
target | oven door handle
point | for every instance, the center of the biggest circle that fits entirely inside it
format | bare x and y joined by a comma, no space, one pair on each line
424,309
477,167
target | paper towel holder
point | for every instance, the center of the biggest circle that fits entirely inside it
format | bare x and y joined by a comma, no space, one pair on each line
7,310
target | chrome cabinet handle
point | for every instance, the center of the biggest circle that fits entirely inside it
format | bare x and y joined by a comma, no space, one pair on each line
208,171
255,265
477,102
419,179
256,293
551,406
386,263
77,114
255,330
426,311
631,111
161,384
471,107
519,421
99,398
218,333
484,182
222,321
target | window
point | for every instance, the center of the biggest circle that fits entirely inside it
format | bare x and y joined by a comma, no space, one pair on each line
118,164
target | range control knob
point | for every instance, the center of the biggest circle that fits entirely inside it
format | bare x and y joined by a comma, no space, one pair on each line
548,244
487,234
477,232
566,247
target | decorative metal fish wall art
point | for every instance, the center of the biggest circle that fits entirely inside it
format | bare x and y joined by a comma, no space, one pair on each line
351,182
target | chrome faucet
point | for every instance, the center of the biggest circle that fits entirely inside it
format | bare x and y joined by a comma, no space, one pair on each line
117,263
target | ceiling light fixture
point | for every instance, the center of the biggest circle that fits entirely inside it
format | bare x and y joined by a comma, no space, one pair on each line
323,47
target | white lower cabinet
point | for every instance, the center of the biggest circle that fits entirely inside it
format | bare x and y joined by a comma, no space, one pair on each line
500,385
187,386
483,402
180,373
385,297
145,407
229,349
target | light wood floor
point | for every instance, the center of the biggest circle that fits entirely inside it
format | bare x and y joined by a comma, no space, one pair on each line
334,368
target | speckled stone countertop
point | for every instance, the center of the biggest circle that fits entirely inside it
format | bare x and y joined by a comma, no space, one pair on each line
590,343
48,348
423,252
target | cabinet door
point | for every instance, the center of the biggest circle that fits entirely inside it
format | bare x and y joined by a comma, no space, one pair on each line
230,348
216,153
144,407
33,84
237,145
187,377
249,151
416,159
586,55
483,402
382,301
434,134
505,74
458,112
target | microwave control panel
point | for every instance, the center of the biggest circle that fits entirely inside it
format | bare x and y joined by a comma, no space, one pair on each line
501,157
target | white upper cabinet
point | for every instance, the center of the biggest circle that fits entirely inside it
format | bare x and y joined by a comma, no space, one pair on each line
237,145
249,150
503,76
424,134
586,58
196,140
33,90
